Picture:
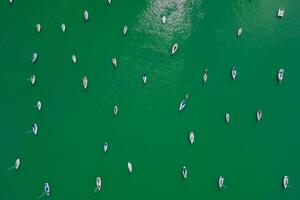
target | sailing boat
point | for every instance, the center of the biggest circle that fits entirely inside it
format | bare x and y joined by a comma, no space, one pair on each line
221,182
205,76
38,105
85,82
280,12
129,166
182,105
184,172
227,117
285,182
144,78
116,109
86,15
105,147
114,62
47,189
174,48
233,73
125,28
17,164
74,59
34,57
35,128
32,79
164,19
63,28
280,75
239,32
192,137
259,115
38,28
109,2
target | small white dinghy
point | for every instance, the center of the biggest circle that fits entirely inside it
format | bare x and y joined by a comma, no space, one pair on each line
259,115
98,183
125,29
38,105
63,28
205,76
285,182
86,15
32,79
34,57
164,19
239,32
109,2
11,1
280,12
38,28
184,172
17,164
227,117
174,48
182,105
221,182
129,166
47,189
85,82
114,62
192,137
233,73
105,147
35,128
145,79
116,110
74,59
280,75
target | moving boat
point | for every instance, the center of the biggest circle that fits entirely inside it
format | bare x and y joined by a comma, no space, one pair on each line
239,32
109,2
182,105
285,182
184,172
98,183
164,19
116,109
39,105
125,28
38,28
105,147
280,12
129,166
32,79
17,163
114,62
174,48
86,15
63,28
192,137
34,57
221,182
85,82
205,76
259,115
280,75
233,73
227,117
74,59
144,78
35,128
47,189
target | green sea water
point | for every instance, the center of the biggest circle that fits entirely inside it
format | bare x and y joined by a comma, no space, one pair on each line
148,130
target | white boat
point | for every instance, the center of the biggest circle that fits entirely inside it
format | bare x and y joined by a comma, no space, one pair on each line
125,29
98,183
63,28
11,1
280,75
280,12
259,115
35,129
47,189
233,73
182,105
32,79
174,48
186,96
221,182
192,137
86,15
114,62
116,109
105,147
285,182
129,166
39,105
17,163
205,76
109,2
74,59
38,28
227,117
85,82
164,19
34,57
184,172
144,78
239,32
